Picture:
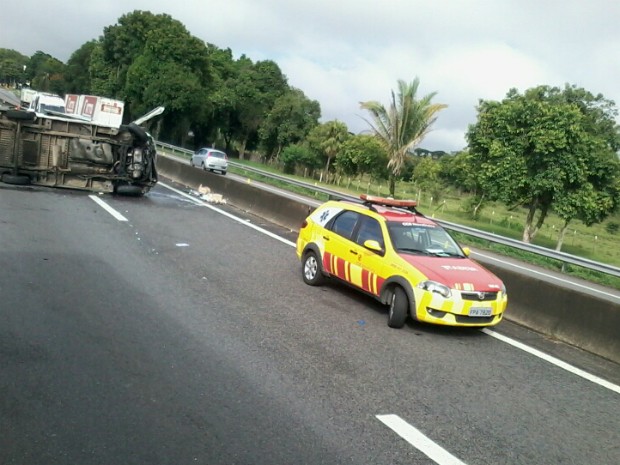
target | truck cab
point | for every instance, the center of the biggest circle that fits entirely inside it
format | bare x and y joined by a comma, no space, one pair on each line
45,103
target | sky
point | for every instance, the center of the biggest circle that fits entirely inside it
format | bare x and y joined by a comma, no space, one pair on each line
342,52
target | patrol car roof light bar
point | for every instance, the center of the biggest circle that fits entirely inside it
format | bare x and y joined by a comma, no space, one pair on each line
370,200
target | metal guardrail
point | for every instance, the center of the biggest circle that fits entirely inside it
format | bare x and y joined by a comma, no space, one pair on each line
531,248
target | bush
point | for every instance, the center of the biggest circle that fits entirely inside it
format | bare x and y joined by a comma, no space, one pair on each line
298,156
612,227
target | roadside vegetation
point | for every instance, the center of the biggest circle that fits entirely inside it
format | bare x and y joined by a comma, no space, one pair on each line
540,166
597,242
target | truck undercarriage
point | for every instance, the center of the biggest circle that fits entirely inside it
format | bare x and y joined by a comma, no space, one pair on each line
57,151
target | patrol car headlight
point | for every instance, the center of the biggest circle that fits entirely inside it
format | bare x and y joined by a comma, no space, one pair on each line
504,293
435,287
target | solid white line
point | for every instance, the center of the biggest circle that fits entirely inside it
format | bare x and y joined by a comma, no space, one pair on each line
505,339
107,208
565,281
418,440
555,361
233,217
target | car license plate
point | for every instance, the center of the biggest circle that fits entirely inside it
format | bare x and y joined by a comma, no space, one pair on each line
480,311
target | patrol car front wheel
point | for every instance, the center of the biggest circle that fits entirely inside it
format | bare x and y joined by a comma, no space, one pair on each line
398,309
311,270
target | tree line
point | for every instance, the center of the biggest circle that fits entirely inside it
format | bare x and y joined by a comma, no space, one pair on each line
546,149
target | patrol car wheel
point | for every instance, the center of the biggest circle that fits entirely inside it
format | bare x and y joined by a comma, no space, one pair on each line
398,309
311,270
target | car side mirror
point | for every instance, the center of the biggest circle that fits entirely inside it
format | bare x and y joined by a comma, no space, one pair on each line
373,245
466,251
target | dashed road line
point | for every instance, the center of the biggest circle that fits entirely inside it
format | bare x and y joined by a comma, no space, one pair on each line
418,440
108,208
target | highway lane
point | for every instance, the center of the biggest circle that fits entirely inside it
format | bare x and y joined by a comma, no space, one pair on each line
181,336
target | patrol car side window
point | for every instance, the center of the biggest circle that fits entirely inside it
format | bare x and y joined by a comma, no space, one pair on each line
344,224
370,230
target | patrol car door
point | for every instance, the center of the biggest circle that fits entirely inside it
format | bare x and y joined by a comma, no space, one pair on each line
367,266
338,244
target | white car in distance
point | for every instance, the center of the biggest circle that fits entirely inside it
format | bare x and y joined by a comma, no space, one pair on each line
210,159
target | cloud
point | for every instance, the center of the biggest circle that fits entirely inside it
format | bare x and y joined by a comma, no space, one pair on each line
346,51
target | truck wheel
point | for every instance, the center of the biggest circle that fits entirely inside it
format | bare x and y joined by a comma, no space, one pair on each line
129,190
16,179
138,132
20,115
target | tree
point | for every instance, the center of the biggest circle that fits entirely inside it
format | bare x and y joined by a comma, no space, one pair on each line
362,154
102,76
172,70
123,42
427,174
402,126
255,89
289,121
299,155
77,75
218,117
327,140
537,149
460,171
46,73
594,200
12,66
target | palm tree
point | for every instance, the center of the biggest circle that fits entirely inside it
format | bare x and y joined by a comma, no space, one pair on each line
403,125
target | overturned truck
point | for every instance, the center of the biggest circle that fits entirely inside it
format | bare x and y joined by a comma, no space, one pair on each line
58,150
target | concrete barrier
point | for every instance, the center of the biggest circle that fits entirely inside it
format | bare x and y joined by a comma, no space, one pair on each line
567,314
280,210
590,322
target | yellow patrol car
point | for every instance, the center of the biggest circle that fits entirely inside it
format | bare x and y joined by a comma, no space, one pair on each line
387,249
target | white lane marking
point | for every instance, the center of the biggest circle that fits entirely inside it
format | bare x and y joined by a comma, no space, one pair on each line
232,217
565,281
418,440
108,208
555,361
502,338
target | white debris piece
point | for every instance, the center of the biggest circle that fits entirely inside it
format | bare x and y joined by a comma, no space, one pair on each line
214,198
204,193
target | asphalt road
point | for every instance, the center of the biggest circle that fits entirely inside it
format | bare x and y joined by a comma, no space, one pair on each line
183,336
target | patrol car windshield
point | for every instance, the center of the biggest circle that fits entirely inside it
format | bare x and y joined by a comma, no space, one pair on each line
422,239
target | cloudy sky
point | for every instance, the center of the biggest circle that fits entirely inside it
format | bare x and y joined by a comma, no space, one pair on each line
341,52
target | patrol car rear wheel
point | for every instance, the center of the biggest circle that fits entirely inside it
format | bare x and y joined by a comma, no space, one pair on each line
398,309
311,270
